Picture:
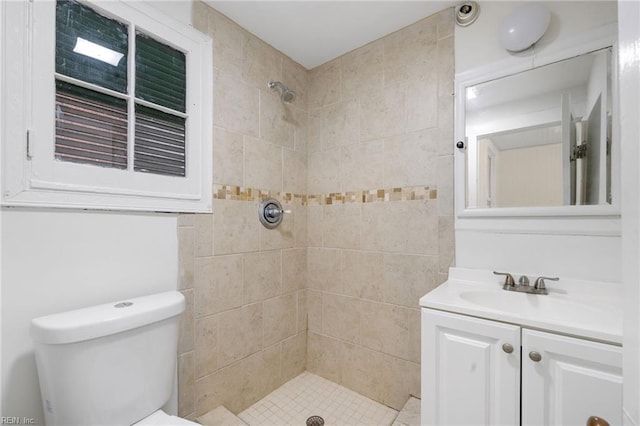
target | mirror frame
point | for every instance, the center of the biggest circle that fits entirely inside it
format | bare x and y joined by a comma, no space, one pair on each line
606,37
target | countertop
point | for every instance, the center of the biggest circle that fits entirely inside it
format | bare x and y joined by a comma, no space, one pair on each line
586,309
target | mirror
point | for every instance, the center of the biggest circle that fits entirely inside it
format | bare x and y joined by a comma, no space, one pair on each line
541,137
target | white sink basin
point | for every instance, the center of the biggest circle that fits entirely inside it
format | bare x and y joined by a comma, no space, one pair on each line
532,304
580,308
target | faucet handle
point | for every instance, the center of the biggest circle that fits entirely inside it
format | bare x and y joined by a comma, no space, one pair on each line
539,284
508,278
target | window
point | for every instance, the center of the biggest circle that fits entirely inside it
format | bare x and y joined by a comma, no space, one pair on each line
105,105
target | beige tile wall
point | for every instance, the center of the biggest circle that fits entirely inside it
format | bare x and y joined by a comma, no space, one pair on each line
364,159
244,330
380,116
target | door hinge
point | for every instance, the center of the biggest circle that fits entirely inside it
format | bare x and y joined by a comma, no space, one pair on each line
579,151
29,156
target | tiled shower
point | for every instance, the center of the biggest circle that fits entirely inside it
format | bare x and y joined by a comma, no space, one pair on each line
364,159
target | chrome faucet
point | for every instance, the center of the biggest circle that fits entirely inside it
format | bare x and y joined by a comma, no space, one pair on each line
539,284
523,283
508,279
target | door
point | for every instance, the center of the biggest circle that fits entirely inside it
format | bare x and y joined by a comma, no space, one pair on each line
596,130
571,380
595,141
568,147
470,371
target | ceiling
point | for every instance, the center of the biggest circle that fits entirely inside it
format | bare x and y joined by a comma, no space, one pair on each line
314,32
547,134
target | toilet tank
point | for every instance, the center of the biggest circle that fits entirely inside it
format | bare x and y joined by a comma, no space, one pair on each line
111,364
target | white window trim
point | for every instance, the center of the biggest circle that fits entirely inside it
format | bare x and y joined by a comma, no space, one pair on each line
30,174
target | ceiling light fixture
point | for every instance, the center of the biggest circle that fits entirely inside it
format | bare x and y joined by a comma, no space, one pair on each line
524,27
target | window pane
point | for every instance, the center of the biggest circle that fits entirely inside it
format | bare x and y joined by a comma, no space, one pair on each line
91,47
160,142
91,128
160,73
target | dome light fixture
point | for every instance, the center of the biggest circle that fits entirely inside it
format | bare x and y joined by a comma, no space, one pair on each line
524,27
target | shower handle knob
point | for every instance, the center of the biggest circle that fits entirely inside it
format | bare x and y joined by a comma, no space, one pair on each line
274,212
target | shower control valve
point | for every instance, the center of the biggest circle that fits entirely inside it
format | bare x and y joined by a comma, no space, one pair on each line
270,213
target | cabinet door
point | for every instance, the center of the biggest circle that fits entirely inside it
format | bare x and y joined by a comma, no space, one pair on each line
573,380
467,376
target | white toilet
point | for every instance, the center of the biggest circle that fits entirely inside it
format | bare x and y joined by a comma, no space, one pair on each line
112,364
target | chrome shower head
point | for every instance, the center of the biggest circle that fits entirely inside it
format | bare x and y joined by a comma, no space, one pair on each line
286,95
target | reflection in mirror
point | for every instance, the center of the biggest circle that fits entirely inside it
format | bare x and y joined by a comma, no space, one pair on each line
541,137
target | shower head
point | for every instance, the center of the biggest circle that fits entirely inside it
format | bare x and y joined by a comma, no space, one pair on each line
286,95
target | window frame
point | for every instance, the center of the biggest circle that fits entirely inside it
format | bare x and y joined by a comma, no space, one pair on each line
31,174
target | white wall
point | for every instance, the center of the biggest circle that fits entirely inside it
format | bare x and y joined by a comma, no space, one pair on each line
597,80
529,176
545,247
478,43
180,10
56,260
629,38
538,254
53,261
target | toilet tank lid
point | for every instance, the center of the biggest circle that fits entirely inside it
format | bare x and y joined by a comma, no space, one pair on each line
109,318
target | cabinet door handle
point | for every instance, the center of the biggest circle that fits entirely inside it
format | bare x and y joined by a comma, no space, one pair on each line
508,348
535,356
596,421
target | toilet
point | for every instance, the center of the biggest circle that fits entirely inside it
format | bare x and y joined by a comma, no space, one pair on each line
111,364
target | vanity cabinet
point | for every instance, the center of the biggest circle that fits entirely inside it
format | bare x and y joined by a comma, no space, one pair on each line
573,380
467,377
477,371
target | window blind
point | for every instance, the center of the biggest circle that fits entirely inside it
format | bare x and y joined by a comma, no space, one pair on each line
159,143
161,76
91,128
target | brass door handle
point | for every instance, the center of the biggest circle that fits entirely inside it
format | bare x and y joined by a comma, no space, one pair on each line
596,421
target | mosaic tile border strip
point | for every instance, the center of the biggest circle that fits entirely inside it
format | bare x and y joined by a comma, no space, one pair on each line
238,193
408,193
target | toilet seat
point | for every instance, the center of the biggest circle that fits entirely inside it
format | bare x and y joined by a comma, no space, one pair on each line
160,418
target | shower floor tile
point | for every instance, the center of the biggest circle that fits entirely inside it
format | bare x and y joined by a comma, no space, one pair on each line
309,395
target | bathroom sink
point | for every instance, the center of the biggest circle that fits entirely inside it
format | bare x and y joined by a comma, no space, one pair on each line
505,301
532,304
581,308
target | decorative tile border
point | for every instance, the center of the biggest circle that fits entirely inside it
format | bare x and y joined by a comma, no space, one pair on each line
238,193
408,193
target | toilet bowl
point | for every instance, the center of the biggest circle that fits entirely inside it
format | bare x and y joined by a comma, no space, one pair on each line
160,418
